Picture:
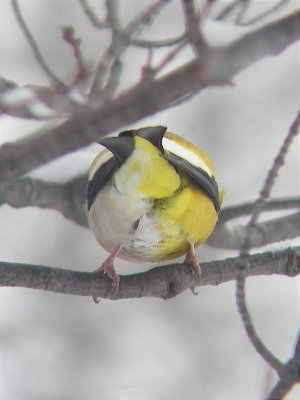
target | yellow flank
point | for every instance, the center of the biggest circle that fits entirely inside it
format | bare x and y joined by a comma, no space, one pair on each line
187,217
146,174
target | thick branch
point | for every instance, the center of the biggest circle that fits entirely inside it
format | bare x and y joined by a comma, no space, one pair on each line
163,282
266,232
68,198
244,209
220,66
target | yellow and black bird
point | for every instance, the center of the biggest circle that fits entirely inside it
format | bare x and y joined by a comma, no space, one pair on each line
151,196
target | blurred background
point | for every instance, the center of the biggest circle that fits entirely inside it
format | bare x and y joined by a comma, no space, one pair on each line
64,347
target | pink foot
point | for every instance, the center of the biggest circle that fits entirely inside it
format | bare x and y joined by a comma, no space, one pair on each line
192,260
108,268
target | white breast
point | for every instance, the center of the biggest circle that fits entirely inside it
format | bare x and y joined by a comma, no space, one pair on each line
144,241
116,218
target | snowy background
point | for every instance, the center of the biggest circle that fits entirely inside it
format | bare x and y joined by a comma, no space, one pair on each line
64,347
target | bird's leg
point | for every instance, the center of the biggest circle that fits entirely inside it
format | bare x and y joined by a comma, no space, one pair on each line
192,260
108,268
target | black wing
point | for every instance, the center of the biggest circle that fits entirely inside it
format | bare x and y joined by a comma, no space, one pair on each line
101,177
121,146
206,183
154,135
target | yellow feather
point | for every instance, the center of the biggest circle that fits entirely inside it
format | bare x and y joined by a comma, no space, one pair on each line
146,174
186,218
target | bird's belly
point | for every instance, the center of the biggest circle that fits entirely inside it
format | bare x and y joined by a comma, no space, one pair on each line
116,218
151,230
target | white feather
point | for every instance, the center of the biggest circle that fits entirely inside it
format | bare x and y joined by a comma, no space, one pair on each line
98,161
186,154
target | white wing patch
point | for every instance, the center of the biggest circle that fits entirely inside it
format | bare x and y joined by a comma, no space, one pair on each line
186,154
99,160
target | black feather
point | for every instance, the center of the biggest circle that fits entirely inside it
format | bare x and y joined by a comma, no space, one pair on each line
101,177
122,146
206,183
154,135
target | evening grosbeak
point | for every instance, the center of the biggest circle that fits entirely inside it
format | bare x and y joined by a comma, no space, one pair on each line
151,197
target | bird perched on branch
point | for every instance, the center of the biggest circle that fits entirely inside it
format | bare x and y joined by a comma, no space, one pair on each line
151,196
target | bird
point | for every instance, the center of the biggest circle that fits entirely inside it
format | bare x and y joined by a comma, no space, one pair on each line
151,197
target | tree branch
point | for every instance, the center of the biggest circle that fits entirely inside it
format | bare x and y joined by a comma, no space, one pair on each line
285,203
267,13
162,282
68,34
30,101
158,43
90,13
220,66
266,232
38,55
242,307
120,42
193,30
290,376
68,198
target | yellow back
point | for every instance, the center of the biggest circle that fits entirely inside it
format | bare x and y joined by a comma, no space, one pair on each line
146,174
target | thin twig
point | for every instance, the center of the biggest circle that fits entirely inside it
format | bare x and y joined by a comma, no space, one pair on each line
193,32
116,67
34,46
206,7
68,33
27,102
228,10
157,43
290,377
269,183
90,13
113,80
119,45
112,16
242,11
111,57
244,253
265,14
153,71
243,5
